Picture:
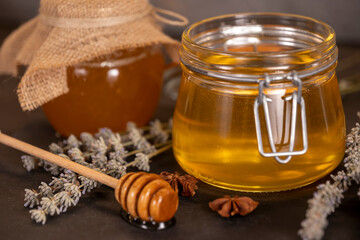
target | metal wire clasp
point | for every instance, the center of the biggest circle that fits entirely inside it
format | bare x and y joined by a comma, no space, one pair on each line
296,99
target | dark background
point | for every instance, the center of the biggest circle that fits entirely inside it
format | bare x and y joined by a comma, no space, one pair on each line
343,15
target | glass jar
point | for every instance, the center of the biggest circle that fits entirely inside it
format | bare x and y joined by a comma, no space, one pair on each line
259,107
109,91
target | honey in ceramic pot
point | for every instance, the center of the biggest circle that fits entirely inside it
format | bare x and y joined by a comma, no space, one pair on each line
224,61
109,91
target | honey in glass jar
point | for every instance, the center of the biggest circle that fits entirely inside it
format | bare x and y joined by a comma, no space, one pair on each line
109,91
259,107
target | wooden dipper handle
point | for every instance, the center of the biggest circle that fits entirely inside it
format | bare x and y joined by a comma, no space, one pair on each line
143,195
147,196
60,161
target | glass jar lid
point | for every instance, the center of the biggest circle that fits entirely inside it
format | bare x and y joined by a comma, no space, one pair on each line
243,47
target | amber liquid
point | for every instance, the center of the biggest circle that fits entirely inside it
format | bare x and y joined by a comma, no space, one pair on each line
108,92
214,135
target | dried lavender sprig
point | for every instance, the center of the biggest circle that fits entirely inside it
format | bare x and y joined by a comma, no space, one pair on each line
28,162
329,196
57,184
52,168
72,142
118,157
55,148
69,175
157,130
56,197
116,169
115,143
136,137
50,205
87,140
54,200
131,125
99,146
105,134
45,190
87,184
145,146
141,150
31,198
142,160
38,215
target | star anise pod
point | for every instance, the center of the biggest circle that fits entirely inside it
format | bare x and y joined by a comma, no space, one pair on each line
229,206
185,184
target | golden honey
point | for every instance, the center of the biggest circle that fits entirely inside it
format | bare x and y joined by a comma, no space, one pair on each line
214,135
109,91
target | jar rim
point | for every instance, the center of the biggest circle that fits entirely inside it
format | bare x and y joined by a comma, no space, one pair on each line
330,37
322,49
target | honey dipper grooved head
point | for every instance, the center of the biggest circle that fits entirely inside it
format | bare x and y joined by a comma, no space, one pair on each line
147,196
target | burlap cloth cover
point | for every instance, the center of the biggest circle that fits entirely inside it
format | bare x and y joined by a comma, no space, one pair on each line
67,32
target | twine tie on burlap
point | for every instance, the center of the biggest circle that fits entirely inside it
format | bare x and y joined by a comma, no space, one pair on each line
112,21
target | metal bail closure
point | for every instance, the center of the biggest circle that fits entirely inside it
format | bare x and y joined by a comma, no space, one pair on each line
296,99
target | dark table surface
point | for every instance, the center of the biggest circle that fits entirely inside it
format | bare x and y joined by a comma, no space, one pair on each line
97,215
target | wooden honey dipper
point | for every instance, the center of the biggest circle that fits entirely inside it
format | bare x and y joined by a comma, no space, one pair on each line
142,195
